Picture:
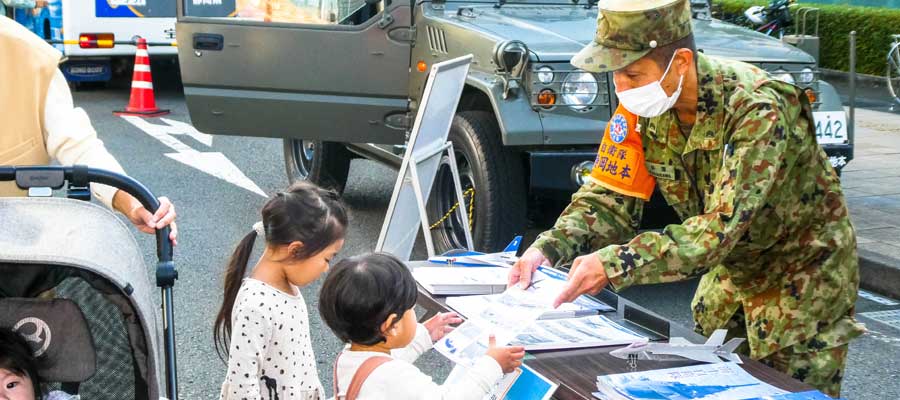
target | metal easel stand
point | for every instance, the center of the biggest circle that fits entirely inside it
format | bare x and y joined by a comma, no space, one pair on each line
446,148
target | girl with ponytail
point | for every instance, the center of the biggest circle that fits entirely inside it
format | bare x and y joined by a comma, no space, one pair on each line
263,325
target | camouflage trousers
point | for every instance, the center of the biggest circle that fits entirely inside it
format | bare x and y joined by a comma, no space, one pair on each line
821,368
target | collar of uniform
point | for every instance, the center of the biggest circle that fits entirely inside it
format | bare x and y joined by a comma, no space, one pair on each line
708,131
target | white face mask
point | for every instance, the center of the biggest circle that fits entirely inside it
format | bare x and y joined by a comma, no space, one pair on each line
650,100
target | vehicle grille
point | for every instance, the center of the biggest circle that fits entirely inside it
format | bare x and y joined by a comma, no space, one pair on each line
437,40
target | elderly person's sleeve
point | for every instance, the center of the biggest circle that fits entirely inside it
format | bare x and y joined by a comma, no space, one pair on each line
71,139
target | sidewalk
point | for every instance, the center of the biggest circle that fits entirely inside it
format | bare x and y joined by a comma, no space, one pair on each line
871,184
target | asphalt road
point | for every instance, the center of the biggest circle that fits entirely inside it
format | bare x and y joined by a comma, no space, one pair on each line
214,215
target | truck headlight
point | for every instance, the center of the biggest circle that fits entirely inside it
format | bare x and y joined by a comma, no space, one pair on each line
783,75
579,90
806,76
545,75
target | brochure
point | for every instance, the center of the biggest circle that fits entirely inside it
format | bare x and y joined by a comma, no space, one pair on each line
505,318
522,384
546,285
444,281
723,381
571,333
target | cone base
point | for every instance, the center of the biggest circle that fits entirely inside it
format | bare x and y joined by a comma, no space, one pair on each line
146,114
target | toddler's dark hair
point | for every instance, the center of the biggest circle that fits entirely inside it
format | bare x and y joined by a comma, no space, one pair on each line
17,357
305,213
360,293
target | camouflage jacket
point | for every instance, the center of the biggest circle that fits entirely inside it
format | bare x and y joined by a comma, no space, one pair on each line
764,218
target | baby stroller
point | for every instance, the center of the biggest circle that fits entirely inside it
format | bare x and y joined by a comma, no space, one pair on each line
74,283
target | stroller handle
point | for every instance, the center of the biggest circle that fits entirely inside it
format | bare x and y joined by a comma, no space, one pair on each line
80,175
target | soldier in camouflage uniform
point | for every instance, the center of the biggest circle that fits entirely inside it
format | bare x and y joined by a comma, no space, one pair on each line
764,220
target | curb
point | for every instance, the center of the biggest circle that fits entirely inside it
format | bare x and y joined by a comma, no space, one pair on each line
879,274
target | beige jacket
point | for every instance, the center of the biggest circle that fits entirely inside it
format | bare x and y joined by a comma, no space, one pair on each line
39,120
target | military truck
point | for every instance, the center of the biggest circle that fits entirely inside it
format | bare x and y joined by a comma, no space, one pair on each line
346,84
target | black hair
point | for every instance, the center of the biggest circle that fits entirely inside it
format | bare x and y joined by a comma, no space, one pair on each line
305,213
17,357
360,293
663,54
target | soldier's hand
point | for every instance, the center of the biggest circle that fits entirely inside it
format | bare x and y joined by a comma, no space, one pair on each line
521,272
586,276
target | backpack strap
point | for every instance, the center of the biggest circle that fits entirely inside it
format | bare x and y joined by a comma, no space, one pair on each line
359,378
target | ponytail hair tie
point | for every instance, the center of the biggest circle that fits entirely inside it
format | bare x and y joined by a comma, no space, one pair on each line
260,229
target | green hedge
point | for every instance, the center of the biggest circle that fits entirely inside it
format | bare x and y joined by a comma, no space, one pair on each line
873,27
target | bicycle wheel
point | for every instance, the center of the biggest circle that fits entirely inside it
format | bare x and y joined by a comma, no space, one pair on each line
893,72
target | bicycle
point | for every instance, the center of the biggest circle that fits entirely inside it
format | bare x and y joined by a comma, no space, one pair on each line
893,68
774,18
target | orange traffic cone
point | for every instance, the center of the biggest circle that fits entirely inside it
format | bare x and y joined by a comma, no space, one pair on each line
142,103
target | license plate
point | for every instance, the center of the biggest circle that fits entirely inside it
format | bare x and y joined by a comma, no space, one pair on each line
831,127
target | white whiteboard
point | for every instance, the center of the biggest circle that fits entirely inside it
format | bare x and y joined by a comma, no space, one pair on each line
426,144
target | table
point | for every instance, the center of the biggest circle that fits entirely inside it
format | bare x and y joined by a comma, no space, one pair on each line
576,371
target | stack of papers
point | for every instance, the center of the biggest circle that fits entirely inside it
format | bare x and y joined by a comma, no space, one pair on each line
810,395
723,381
445,281
572,325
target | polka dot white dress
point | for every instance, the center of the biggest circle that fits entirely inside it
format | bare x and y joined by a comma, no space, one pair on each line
270,349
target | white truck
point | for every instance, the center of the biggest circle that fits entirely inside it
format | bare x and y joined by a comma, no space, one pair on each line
92,34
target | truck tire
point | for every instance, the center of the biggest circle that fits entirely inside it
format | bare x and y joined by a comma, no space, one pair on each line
497,177
326,164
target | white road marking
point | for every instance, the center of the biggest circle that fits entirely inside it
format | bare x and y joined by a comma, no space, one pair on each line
182,128
212,163
876,298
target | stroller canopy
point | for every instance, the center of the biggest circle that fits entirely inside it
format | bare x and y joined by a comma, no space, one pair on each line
46,240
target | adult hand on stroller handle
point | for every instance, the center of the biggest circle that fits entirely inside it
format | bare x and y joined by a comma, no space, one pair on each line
23,175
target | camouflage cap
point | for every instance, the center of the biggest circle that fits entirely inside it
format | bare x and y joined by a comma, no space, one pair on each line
628,29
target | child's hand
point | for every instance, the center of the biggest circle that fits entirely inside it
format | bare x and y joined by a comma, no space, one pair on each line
439,325
509,357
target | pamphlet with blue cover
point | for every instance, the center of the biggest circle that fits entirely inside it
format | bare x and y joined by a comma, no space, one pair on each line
522,384
723,381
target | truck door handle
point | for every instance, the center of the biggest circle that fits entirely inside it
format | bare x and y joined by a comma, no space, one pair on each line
208,41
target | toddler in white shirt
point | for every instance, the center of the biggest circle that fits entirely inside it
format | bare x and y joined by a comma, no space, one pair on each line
368,301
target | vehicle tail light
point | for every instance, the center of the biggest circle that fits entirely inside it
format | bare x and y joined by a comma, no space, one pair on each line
811,95
96,40
546,98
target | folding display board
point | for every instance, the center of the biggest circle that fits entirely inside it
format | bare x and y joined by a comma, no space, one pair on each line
427,144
